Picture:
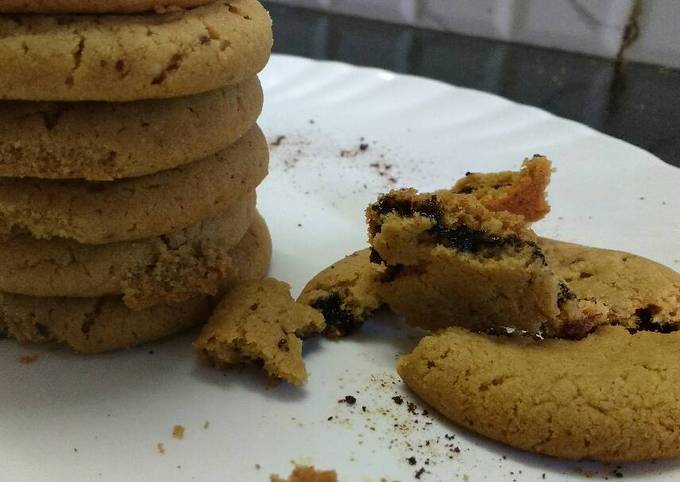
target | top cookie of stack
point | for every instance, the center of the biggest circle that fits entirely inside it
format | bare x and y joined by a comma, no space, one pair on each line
129,158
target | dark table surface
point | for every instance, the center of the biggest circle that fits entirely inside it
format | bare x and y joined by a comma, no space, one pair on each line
635,102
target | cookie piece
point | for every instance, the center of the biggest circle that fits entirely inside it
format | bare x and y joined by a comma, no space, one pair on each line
260,321
612,396
102,141
95,6
118,58
308,474
519,192
451,261
345,293
163,269
136,208
95,325
639,293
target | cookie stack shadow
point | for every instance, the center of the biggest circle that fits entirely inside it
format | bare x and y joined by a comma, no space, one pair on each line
129,159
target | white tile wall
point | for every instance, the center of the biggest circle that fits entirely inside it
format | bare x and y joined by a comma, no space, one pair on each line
589,26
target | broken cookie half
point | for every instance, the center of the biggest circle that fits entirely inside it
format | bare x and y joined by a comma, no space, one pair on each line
345,293
260,322
450,261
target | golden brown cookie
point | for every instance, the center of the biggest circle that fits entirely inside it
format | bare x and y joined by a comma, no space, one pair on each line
95,6
519,192
613,396
162,269
94,325
260,321
101,141
450,261
638,292
345,293
136,208
132,57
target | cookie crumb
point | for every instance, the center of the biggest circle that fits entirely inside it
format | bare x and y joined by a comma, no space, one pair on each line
412,460
277,142
308,474
178,432
28,359
349,400
161,448
260,322
398,399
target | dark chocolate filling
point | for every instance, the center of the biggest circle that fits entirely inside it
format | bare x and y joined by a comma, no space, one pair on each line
375,257
461,237
647,323
565,294
339,321
389,203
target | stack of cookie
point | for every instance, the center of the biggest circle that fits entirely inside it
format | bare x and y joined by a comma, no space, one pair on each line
129,156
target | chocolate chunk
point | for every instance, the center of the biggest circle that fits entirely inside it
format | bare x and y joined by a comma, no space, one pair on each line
339,321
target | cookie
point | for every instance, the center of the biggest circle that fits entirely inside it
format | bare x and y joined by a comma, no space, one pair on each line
118,58
102,141
345,293
95,6
308,474
639,293
613,396
450,261
520,192
163,269
94,325
260,321
136,208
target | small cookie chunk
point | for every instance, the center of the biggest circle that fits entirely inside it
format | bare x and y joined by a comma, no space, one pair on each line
136,208
95,6
639,293
102,141
95,325
308,474
451,261
260,321
345,293
613,396
163,269
521,192
117,58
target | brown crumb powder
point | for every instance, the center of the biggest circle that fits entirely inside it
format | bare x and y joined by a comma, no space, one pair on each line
178,432
161,448
28,359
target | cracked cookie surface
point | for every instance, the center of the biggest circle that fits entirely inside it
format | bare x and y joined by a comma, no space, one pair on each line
101,141
638,292
94,325
131,57
95,6
260,321
345,293
450,261
163,269
135,208
612,396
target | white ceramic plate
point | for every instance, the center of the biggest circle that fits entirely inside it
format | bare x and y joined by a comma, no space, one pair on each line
72,418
